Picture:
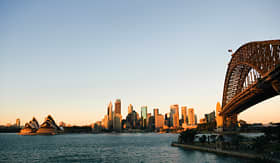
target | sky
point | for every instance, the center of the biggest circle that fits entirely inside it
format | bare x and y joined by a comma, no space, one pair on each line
71,58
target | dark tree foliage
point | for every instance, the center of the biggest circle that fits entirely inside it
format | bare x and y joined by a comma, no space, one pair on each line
202,139
259,143
187,137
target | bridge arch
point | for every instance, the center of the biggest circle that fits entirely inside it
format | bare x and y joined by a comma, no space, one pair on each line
261,57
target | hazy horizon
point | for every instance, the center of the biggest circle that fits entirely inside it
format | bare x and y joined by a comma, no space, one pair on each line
70,59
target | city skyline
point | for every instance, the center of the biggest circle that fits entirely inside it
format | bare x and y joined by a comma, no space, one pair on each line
71,61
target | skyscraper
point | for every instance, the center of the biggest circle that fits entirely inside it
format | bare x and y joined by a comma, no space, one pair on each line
159,121
110,115
184,114
191,116
130,109
174,115
148,122
105,122
117,121
118,107
17,122
155,111
144,116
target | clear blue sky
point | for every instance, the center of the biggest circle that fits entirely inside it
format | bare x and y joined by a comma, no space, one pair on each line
71,58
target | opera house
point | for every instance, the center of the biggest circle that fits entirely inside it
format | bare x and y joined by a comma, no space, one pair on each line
48,127
30,128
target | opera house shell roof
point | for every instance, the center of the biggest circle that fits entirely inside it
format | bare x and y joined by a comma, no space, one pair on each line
30,127
48,127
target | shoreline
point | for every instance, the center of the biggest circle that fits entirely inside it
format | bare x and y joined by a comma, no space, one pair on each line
225,152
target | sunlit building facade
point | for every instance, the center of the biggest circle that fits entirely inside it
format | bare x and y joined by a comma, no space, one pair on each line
191,116
174,115
117,121
130,109
184,114
110,115
159,121
17,122
118,107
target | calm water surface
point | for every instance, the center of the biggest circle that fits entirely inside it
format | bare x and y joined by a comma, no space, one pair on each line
148,147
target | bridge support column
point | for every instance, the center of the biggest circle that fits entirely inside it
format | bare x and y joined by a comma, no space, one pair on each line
276,86
230,121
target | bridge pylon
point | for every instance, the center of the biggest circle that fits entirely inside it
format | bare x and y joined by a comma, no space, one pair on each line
225,122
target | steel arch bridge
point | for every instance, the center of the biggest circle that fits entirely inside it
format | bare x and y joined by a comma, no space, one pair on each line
253,75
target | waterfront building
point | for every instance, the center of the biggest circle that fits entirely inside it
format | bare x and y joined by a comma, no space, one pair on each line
155,111
202,121
191,116
159,121
167,119
210,117
117,121
219,119
110,115
48,126
97,126
158,118
149,115
144,116
118,107
174,115
130,109
30,127
17,122
105,122
184,114
132,120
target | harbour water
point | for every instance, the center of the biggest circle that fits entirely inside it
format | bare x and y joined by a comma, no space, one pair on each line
136,147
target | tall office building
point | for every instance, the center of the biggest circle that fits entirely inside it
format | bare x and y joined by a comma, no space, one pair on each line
148,122
130,109
155,111
117,121
174,115
17,122
191,116
110,115
159,121
118,107
184,114
167,119
144,116
105,122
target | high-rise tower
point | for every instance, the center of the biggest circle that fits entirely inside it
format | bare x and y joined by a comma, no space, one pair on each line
110,115
191,116
174,115
144,116
184,114
130,109
118,107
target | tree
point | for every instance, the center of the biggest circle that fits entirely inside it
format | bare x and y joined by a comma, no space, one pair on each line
187,137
